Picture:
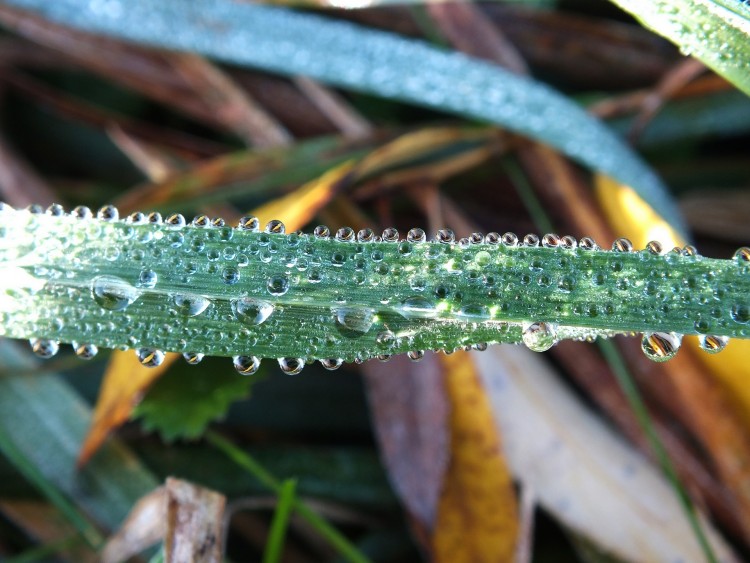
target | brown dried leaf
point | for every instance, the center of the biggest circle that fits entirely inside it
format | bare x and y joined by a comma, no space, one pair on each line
145,526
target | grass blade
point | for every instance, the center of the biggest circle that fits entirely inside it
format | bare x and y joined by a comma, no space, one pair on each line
347,55
275,544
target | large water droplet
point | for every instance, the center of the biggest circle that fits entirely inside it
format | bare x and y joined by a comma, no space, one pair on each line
147,279
713,344
113,293
246,365
358,320
190,305
291,366
85,351
193,358
418,307
539,336
741,313
150,357
661,346
44,348
252,311
331,363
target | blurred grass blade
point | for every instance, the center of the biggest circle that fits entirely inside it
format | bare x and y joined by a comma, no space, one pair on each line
333,536
715,31
347,55
46,421
275,544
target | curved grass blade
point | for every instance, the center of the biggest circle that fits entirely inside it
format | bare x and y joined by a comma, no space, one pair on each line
202,289
715,31
347,55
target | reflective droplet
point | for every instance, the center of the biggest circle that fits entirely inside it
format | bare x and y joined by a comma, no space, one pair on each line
622,245
476,238
539,336
230,275
390,235
418,307
251,311
661,346
175,220
246,365
321,231
415,355
55,210
416,235
108,213
190,305
147,279
742,255
193,358
345,234
217,222
689,250
550,240
740,312
82,212
587,243
713,344
154,218
85,351
445,236
291,366
113,293
43,347
358,320
331,363
365,235
568,242
249,224
655,247
35,209
531,240
509,239
480,347
201,221
277,285
275,227
150,357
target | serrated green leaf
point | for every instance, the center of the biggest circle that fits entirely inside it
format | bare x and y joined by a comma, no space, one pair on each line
715,31
340,53
182,403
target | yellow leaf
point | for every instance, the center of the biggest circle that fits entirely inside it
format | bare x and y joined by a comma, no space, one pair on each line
632,217
124,384
477,518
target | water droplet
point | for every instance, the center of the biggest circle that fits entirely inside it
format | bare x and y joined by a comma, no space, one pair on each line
249,224
358,320
291,366
568,242
193,358
492,238
742,256
415,355
252,311
740,313
55,210
655,247
531,240
445,236
587,243
622,245
365,235
331,363
35,209
154,218
713,344
82,212
217,222
539,336
550,240
345,234
390,235
385,339
661,346
416,235
190,305
230,275
321,231
246,365
476,238
175,220
113,293
201,221
276,227
150,357
108,213
147,279
85,351
43,347
277,285
418,307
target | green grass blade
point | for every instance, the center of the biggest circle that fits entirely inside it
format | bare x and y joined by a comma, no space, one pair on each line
243,459
365,60
275,544
238,292
715,31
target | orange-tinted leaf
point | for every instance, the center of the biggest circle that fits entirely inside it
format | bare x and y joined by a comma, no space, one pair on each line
477,513
125,381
